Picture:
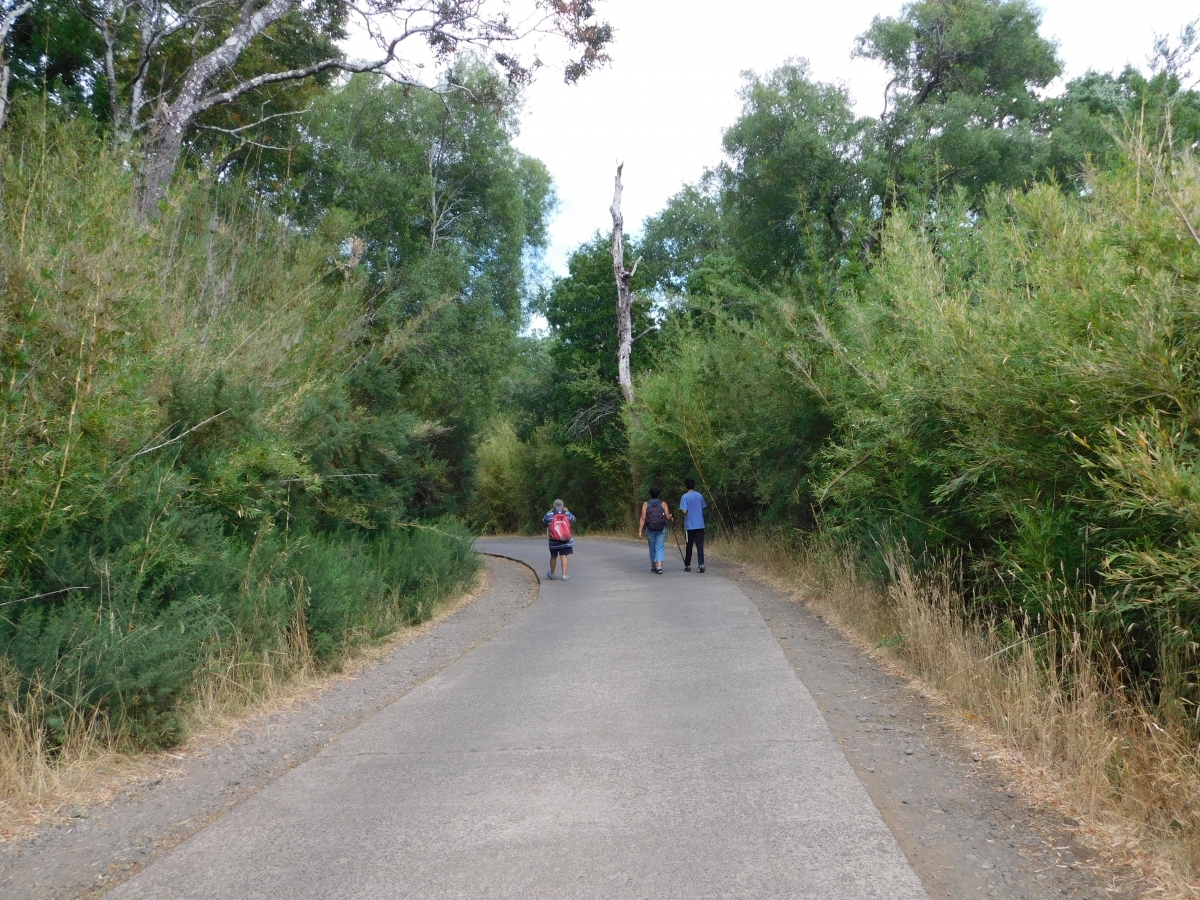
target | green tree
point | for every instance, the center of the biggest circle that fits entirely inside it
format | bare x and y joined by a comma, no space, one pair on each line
443,213
581,310
160,70
1099,109
962,105
797,196
684,236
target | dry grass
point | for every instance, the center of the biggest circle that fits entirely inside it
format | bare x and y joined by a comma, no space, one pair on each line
40,782
1067,730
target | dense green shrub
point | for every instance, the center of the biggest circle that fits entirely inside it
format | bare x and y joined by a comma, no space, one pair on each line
202,457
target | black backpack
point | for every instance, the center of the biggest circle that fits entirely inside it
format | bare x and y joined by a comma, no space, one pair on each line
656,516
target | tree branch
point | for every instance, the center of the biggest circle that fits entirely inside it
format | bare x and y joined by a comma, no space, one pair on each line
208,102
241,128
177,438
11,19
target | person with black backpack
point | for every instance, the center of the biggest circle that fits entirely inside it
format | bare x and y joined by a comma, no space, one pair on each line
656,516
558,528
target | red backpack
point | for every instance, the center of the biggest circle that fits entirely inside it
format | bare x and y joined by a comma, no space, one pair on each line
560,527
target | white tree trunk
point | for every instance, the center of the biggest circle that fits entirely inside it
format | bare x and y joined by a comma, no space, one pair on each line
623,277
176,117
6,26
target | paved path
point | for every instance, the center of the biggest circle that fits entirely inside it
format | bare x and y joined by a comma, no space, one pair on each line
627,736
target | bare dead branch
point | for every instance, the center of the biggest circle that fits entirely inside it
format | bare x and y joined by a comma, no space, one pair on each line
624,296
177,438
84,587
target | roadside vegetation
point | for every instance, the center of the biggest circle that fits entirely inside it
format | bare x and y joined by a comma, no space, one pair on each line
256,301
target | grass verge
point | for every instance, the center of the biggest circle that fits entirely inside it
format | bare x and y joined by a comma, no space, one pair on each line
1049,701
42,777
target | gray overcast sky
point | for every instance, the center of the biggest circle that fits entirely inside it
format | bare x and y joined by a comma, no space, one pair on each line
671,89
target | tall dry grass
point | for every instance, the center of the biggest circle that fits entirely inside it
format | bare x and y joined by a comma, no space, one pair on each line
1046,694
47,768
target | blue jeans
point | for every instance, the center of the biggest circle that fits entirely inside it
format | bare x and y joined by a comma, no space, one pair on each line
658,544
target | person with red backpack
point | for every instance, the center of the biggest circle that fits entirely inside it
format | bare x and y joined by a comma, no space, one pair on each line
656,516
558,528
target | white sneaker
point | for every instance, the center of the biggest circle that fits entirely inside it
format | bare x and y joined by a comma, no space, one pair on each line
550,575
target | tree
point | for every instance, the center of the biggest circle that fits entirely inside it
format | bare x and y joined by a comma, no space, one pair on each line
427,174
797,194
579,309
962,105
1096,111
583,402
161,67
432,200
687,232
622,277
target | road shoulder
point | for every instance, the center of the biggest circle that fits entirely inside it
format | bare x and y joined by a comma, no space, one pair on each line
966,830
99,847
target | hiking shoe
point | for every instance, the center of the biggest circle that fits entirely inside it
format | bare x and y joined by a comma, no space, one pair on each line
687,568
550,575
702,568
566,578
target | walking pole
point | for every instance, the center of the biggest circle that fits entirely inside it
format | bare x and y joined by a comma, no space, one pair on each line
675,531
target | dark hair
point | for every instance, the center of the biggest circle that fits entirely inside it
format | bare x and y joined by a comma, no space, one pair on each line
689,483
655,490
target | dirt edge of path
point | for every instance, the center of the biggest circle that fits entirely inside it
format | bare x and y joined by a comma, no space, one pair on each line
961,810
127,823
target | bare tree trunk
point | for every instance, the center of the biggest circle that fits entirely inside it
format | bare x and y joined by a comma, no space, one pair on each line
623,277
158,164
5,73
175,118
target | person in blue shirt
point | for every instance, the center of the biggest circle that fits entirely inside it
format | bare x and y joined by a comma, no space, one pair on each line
692,506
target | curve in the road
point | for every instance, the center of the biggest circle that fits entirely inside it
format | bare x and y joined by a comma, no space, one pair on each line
628,736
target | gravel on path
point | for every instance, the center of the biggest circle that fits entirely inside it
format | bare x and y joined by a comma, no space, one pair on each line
98,848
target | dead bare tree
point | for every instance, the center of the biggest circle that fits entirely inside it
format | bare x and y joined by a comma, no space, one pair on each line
623,278
6,27
165,110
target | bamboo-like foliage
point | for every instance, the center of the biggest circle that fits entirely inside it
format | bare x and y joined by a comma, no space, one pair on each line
199,446
1019,386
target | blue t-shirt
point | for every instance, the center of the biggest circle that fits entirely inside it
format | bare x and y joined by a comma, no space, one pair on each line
692,506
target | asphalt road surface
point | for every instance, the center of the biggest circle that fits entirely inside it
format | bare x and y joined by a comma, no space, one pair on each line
627,736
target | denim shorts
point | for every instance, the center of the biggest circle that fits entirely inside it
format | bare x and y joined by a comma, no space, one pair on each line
657,541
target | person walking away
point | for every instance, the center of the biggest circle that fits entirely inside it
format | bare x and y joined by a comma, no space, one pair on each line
692,506
656,516
558,524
